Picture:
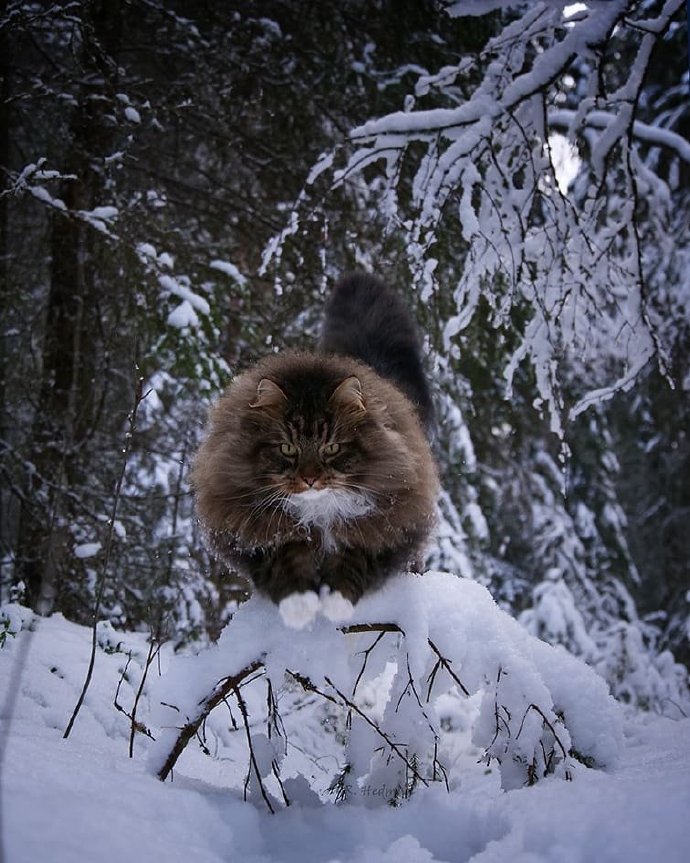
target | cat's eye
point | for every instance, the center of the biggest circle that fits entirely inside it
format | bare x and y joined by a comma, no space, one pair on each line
288,449
331,449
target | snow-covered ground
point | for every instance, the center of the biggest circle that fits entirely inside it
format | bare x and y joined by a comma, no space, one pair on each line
84,799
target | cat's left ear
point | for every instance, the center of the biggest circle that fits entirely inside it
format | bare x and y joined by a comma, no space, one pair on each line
348,396
268,395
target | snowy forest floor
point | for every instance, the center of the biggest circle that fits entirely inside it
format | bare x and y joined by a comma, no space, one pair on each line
83,799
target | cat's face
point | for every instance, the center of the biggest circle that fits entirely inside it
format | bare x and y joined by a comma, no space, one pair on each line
322,442
308,449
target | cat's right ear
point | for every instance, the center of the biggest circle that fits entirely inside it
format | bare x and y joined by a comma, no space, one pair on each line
348,396
268,395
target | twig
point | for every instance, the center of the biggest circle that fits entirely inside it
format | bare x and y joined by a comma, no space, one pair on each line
134,725
252,757
445,663
371,627
274,721
499,719
275,767
366,659
139,397
222,689
410,686
307,684
137,726
233,721
438,765
547,723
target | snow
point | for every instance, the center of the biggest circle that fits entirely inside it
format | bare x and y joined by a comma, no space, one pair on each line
183,316
566,162
132,114
230,270
641,131
69,800
178,288
44,195
103,213
87,549
146,250
99,217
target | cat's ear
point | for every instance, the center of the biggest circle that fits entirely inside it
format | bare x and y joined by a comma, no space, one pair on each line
348,396
268,395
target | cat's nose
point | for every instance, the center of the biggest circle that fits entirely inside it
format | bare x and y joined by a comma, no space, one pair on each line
310,480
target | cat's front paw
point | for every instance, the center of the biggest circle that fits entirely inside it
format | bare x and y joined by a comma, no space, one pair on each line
335,606
299,609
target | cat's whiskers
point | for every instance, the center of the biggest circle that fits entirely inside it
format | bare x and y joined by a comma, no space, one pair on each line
264,526
362,489
253,492
267,503
277,497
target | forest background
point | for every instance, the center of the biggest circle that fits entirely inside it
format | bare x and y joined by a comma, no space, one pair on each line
181,183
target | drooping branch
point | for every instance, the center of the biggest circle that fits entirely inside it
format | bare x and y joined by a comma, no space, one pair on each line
221,691
562,259
229,685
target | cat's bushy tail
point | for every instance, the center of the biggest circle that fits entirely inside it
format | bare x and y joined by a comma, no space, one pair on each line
364,319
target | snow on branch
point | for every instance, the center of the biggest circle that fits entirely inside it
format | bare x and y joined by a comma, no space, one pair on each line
654,135
384,681
563,269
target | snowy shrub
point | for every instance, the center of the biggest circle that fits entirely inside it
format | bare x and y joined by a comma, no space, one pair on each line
387,685
13,618
5,629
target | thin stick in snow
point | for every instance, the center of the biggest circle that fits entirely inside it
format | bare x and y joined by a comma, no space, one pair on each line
139,397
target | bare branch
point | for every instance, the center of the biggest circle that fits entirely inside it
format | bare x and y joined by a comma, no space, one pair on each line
222,689
139,397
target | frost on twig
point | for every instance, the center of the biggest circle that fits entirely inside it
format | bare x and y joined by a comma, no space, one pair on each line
378,689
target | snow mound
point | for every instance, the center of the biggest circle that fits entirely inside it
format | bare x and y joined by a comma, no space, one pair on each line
423,653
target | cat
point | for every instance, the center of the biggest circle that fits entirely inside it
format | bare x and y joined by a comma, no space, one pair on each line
316,478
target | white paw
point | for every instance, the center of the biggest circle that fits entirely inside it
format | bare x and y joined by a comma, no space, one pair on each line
299,609
335,607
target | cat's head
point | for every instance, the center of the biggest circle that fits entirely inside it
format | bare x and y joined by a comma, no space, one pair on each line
323,439
310,438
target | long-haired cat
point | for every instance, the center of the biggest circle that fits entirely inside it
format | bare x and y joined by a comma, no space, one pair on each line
316,477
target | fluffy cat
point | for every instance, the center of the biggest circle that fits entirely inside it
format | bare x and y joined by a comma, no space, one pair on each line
316,475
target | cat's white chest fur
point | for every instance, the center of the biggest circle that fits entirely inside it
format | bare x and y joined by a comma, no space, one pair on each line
322,508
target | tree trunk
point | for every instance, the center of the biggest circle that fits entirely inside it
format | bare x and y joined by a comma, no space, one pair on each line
71,342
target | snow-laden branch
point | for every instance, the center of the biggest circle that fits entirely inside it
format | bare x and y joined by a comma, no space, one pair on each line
421,640
491,101
656,135
568,264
